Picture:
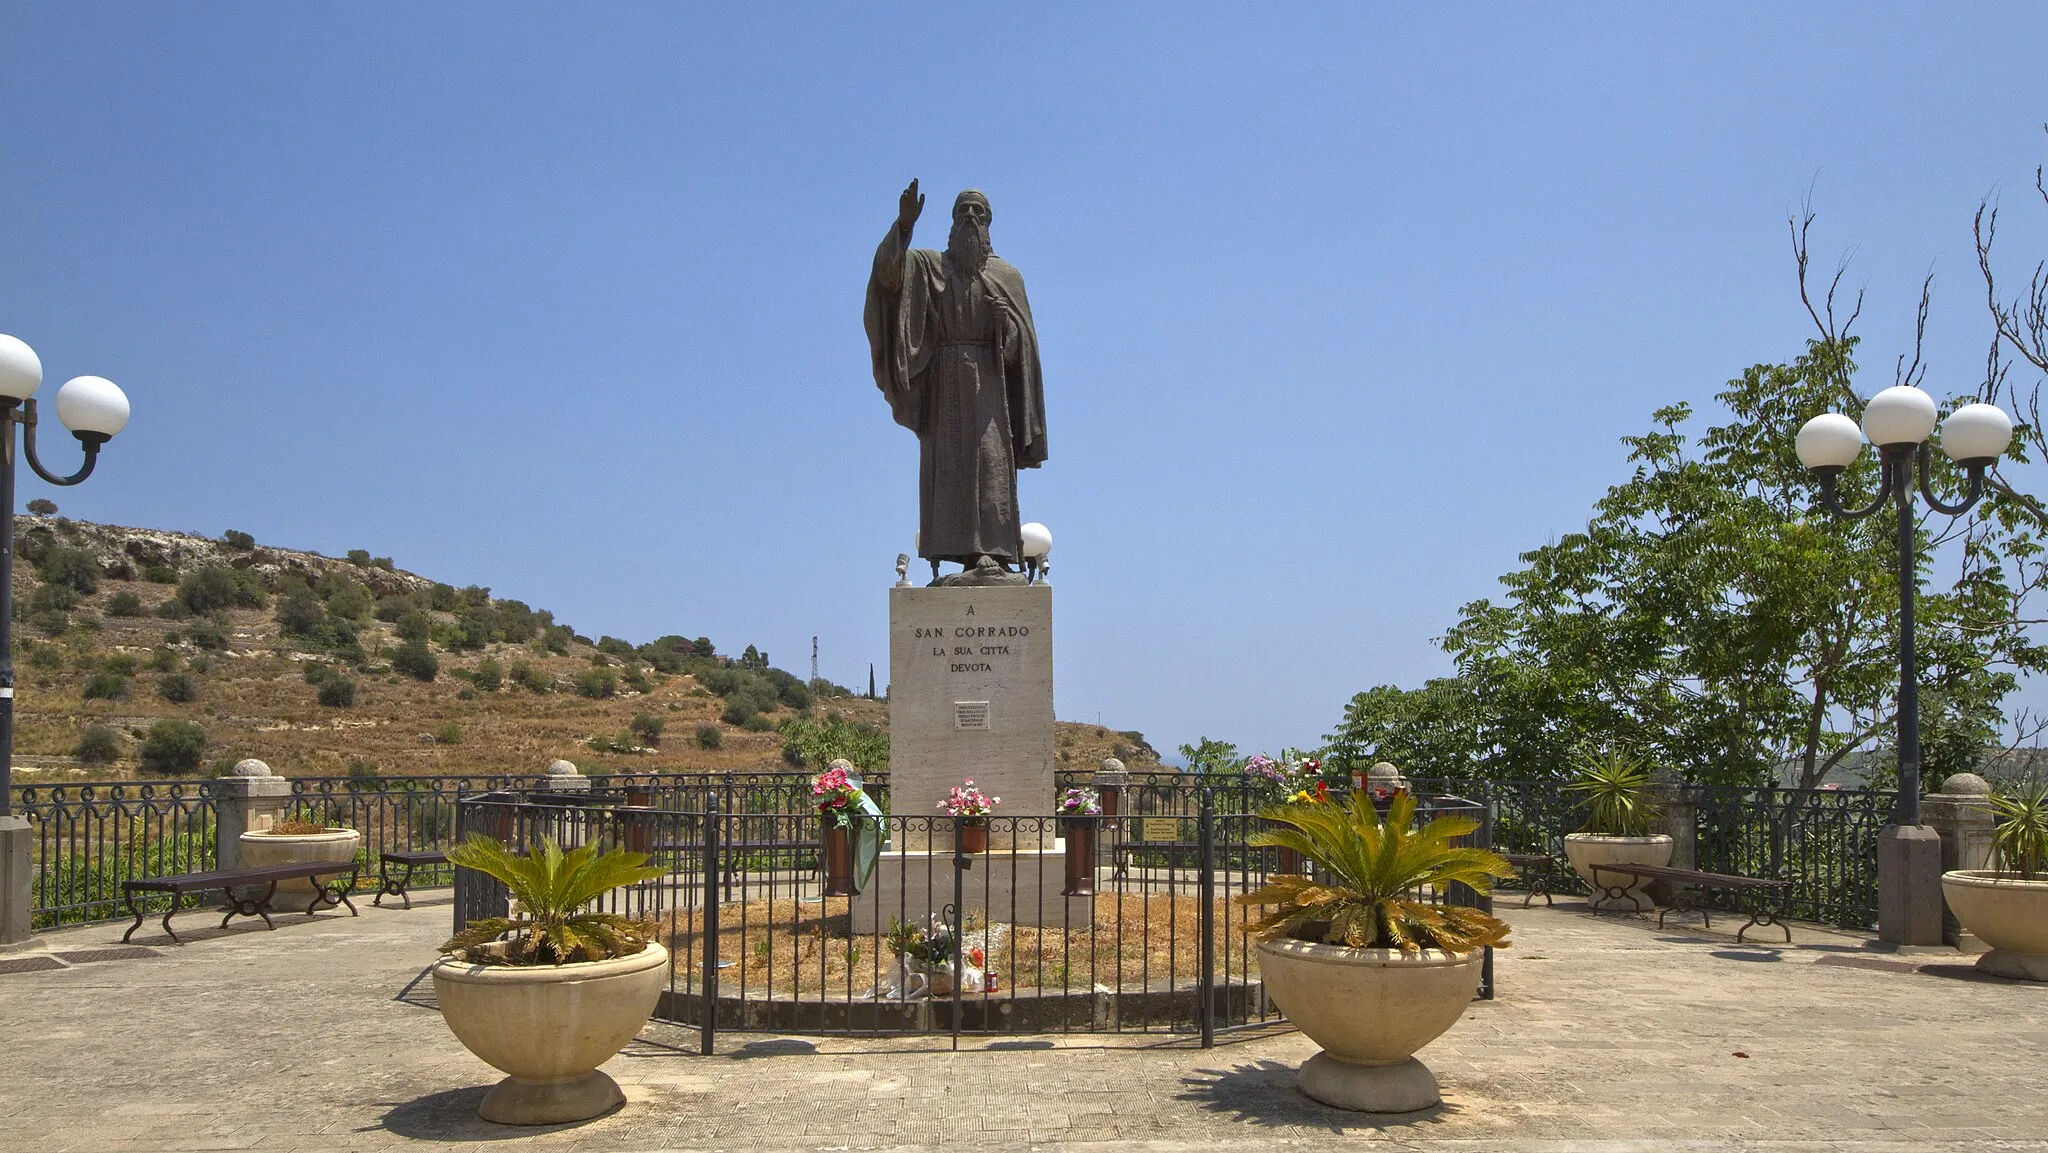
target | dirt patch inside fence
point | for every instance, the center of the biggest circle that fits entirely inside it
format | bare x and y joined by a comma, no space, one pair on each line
809,946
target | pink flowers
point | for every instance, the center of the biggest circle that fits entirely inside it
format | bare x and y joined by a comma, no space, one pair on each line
835,794
967,801
1080,803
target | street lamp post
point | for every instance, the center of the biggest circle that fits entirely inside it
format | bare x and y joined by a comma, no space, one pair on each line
1898,421
94,409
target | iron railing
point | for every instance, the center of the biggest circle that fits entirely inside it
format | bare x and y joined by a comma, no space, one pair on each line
757,944
91,837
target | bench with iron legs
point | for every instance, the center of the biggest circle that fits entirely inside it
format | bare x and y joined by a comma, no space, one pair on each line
1534,870
408,859
326,894
1763,896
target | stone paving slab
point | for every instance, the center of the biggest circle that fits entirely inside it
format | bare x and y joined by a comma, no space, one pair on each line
1609,1035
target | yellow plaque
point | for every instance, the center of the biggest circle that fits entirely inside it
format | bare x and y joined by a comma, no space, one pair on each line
1160,829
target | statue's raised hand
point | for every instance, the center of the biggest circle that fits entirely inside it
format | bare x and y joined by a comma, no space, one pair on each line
908,207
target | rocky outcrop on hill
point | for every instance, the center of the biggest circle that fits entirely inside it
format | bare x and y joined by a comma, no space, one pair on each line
125,553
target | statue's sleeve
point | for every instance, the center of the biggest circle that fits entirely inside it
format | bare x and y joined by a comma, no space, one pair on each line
894,320
1021,369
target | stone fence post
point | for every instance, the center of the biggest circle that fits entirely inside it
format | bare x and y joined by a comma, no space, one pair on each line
563,777
1961,814
248,799
1677,805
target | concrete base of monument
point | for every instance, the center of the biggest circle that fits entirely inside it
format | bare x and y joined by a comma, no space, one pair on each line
1159,1005
1011,886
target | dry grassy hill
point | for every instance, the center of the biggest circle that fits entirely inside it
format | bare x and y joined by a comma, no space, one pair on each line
115,658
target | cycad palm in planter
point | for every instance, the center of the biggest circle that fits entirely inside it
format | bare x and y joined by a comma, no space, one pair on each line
564,993
2007,907
1356,961
1619,817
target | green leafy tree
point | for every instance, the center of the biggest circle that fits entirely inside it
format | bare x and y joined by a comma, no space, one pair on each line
1209,756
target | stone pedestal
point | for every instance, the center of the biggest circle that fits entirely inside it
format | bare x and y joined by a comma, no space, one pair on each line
249,799
1909,905
564,777
1961,814
970,696
1005,887
17,884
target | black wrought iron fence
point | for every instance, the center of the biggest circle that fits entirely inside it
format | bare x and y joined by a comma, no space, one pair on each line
91,837
1040,932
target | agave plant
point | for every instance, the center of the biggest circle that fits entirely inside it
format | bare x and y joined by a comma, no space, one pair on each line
1616,787
2021,838
1373,869
553,889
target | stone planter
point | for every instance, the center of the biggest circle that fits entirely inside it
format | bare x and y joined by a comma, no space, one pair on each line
1609,894
2006,913
1370,1010
298,893
549,1027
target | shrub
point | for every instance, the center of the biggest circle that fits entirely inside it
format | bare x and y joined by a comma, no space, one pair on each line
200,663
390,609
818,743
214,588
648,728
45,656
316,672
359,557
72,568
173,746
353,602
449,734
414,627
238,540
532,679
442,598
105,686
488,676
120,664
211,633
161,574
709,736
299,612
382,562
173,610
124,604
636,680
739,712
615,647
42,506
758,724
598,683
177,687
50,597
51,622
163,660
415,660
337,692
99,745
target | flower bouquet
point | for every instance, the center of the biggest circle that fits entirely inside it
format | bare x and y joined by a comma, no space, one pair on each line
853,832
970,807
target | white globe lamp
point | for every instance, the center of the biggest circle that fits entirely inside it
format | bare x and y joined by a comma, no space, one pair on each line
21,370
1830,441
1976,434
1901,414
1037,541
93,408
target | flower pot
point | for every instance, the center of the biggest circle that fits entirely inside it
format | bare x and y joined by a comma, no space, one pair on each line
1080,836
2006,913
1370,1010
1290,863
1614,892
549,1027
298,893
973,835
838,861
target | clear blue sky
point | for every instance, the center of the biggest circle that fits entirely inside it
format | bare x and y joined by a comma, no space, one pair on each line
1341,308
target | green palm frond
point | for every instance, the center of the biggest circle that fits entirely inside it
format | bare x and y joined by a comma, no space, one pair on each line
1371,868
553,888
1617,791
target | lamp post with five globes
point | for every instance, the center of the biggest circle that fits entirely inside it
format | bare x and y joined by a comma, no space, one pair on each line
94,409
1898,421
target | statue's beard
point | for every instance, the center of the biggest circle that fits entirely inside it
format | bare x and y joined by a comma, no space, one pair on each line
968,248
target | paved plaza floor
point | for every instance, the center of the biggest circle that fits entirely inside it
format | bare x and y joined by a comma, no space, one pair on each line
1608,1035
